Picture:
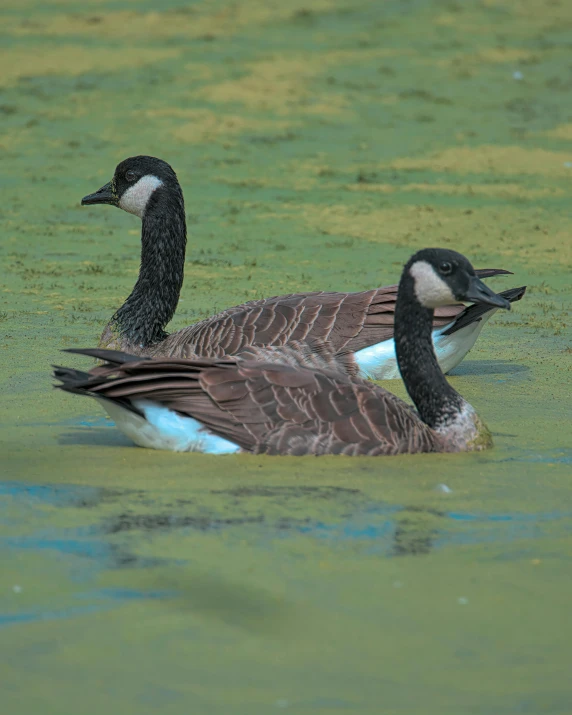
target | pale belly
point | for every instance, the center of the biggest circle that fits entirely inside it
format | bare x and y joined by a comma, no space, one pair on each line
164,429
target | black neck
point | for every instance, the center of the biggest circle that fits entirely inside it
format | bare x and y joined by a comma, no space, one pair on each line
147,311
435,399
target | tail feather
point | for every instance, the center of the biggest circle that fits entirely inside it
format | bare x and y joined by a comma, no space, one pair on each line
78,382
69,377
110,356
475,312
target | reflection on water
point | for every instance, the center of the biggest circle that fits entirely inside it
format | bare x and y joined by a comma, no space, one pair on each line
506,370
397,530
62,495
111,536
560,456
299,575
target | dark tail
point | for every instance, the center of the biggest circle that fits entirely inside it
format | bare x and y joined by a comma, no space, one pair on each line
475,312
81,383
78,381
71,380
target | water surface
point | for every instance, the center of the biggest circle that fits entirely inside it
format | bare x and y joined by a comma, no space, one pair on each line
318,143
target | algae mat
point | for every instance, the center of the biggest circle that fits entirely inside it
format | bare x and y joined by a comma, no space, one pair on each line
319,143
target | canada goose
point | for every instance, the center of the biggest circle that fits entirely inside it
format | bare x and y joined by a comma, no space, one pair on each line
350,322
300,405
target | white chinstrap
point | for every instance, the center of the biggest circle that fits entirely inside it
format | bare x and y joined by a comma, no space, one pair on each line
431,290
136,197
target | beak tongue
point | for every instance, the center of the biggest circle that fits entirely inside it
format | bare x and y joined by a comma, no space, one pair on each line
480,293
104,195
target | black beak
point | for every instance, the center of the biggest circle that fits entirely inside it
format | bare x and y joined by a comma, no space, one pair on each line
478,292
104,195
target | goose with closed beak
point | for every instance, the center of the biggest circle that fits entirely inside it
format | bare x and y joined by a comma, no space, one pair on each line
361,322
296,401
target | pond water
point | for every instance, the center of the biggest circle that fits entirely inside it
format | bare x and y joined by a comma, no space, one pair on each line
319,144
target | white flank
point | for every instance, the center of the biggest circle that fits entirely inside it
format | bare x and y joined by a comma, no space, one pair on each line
378,362
135,199
162,428
430,289
452,349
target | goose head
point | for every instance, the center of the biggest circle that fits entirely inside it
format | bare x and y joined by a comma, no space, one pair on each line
137,182
441,277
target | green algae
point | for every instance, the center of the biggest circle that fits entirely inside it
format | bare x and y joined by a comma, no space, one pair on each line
318,143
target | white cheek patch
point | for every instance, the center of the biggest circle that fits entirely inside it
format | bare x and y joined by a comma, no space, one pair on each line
135,199
430,289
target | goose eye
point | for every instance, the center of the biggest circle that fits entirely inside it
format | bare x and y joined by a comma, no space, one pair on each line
130,176
445,268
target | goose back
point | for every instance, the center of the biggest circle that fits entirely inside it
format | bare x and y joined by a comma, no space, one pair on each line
347,321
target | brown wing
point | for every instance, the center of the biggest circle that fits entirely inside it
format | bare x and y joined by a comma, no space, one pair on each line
267,407
333,317
347,321
314,354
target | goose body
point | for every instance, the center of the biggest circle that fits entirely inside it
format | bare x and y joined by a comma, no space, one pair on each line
361,322
296,400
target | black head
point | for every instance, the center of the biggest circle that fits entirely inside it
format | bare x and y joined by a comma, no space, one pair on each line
135,180
441,277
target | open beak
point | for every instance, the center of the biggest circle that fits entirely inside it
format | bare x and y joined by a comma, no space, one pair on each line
478,292
104,195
